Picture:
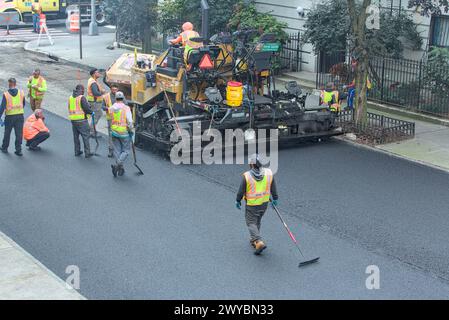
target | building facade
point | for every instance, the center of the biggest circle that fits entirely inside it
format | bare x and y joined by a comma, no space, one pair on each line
433,30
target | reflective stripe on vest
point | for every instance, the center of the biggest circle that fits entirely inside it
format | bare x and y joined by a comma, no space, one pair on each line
14,105
119,122
189,44
90,95
39,83
108,103
75,110
258,192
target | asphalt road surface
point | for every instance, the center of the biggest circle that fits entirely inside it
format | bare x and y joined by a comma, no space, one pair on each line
175,234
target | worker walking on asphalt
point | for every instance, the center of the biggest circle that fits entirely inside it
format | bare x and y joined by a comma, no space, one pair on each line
35,131
79,109
95,94
37,87
256,188
13,104
121,127
108,101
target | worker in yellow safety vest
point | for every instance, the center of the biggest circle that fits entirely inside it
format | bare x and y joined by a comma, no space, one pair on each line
95,94
330,98
121,130
37,86
13,103
256,188
79,111
108,101
185,38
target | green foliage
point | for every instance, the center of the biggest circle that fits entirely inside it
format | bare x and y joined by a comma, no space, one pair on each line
327,26
328,29
436,71
247,17
430,7
173,13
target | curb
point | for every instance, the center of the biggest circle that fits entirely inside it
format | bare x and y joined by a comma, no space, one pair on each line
56,58
392,154
39,264
407,113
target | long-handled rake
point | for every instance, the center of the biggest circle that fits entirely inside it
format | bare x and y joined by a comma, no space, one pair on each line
134,156
305,262
95,135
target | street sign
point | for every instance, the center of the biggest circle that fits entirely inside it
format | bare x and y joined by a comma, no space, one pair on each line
8,19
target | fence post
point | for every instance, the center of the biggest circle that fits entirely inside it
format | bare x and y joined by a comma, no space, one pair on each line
419,85
297,53
382,81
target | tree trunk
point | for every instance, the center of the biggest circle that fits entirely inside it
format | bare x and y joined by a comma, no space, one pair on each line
358,25
147,45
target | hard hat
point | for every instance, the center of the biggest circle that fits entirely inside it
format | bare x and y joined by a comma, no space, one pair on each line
255,160
187,26
119,95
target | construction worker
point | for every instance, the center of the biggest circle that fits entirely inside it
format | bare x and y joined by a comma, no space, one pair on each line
330,97
37,87
108,101
79,109
185,39
35,131
121,127
257,186
13,104
351,92
36,9
95,94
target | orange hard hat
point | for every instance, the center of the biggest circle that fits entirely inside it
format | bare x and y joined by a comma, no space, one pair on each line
187,26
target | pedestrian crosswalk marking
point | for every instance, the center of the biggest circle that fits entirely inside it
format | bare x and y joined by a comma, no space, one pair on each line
28,34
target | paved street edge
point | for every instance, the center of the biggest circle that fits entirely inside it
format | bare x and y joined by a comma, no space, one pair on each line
40,265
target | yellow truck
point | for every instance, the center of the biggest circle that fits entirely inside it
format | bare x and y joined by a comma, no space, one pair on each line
54,9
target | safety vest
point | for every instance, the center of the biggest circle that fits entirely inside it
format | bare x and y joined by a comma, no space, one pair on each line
326,97
90,95
14,105
188,44
258,192
335,107
119,123
76,112
39,82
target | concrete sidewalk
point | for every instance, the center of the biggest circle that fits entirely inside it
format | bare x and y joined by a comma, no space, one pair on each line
95,52
23,278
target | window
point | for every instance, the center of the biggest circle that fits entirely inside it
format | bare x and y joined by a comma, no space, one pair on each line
439,31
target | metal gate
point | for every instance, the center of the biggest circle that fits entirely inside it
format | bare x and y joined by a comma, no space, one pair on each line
291,54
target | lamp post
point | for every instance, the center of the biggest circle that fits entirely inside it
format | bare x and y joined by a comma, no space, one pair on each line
93,27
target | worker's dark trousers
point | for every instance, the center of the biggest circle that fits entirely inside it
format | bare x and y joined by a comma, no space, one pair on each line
13,122
81,128
253,216
38,139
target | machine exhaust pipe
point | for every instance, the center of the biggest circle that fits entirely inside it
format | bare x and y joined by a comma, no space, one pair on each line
205,20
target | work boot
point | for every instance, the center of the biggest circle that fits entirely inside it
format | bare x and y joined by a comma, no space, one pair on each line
78,154
110,154
114,170
18,153
260,247
121,171
88,155
4,150
35,148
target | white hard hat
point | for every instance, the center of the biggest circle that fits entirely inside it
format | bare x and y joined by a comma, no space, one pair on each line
119,95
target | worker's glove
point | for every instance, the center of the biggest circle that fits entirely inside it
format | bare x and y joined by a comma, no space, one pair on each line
238,205
274,203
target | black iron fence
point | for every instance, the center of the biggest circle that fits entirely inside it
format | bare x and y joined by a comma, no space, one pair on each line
413,85
291,54
377,129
